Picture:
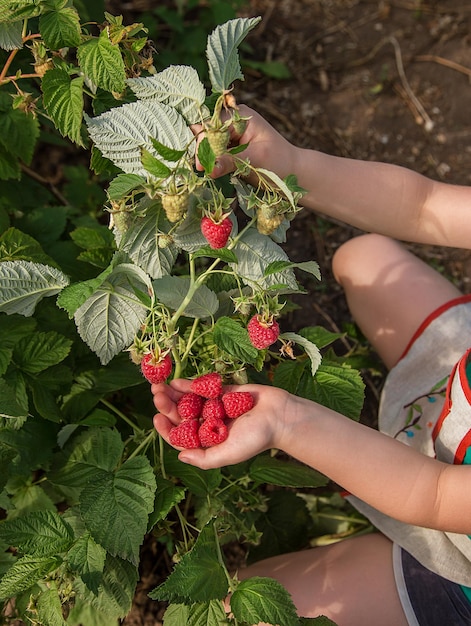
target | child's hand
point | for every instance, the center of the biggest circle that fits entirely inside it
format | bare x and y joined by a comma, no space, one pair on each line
253,432
267,148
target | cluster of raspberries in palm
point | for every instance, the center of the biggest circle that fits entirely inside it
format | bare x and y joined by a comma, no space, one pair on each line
205,411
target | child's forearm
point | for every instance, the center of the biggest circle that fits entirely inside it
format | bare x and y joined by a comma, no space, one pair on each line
383,472
384,198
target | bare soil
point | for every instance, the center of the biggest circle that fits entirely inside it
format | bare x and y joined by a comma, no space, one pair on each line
384,80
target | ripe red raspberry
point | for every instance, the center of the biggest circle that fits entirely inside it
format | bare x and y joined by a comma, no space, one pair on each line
212,431
189,406
213,408
156,370
237,402
185,435
208,385
262,334
216,233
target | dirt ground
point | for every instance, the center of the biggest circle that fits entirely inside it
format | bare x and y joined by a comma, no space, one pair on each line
381,80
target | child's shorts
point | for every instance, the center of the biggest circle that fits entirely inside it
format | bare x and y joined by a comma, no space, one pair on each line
428,599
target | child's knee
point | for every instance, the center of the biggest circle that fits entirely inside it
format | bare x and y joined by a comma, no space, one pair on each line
354,257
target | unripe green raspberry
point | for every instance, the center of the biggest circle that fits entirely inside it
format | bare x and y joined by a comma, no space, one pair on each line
175,205
266,226
218,140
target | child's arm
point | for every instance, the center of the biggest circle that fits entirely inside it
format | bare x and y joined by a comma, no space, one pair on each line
383,472
376,197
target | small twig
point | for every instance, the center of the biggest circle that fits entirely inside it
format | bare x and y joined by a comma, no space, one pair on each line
446,62
44,181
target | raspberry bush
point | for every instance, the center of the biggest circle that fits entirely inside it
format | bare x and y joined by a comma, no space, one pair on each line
139,266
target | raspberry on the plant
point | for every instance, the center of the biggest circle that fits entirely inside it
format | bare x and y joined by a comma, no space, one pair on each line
207,385
262,333
213,408
216,233
175,205
236,403
218,140
185,435
212,431
156,369
189,406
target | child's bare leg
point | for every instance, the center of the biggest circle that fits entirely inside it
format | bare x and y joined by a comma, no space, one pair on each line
351,582
389,290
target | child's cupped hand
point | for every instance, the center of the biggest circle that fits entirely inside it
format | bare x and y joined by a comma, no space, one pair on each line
248,435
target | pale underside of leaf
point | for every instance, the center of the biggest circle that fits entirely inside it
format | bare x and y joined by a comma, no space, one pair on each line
122,132
11,36
177,86
24,283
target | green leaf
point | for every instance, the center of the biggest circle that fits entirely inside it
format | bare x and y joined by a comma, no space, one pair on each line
255,252
63,99
222,52
26,572
15,245
39,533
139,242
311,349
124,184
60,28
206,155
261,599
9,166
176,615
320,336
267,469
223,254
109,319
23,284
199,577
199,482
49,608
167,495
11,36
94,449
121,133
73,296
40,351
173,292
316,621
206,614
278,266
169,154
232,337
177,86
103,63
19,131
153,166
87,559
115,507
13,405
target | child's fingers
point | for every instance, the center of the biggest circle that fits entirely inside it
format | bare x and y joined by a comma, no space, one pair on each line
163,425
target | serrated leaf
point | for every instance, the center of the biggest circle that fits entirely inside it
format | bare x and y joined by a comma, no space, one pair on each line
109,319
38,533
154,166
73,296
340,388
206,155
19,131
115,507
18,9
178,86
320,336
232,337
206,614
311,349
123,184
122,132
173,291
224,254
199,577
140,243
16,245
223,54
12,405
63,99
176,615
169,154
60,28
199,482
23,284
260,599
273,471
11,36
311,267
117,588
167,495
9,166
49,608
279,183
255,252
102,61
40,351
87,559
25,573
